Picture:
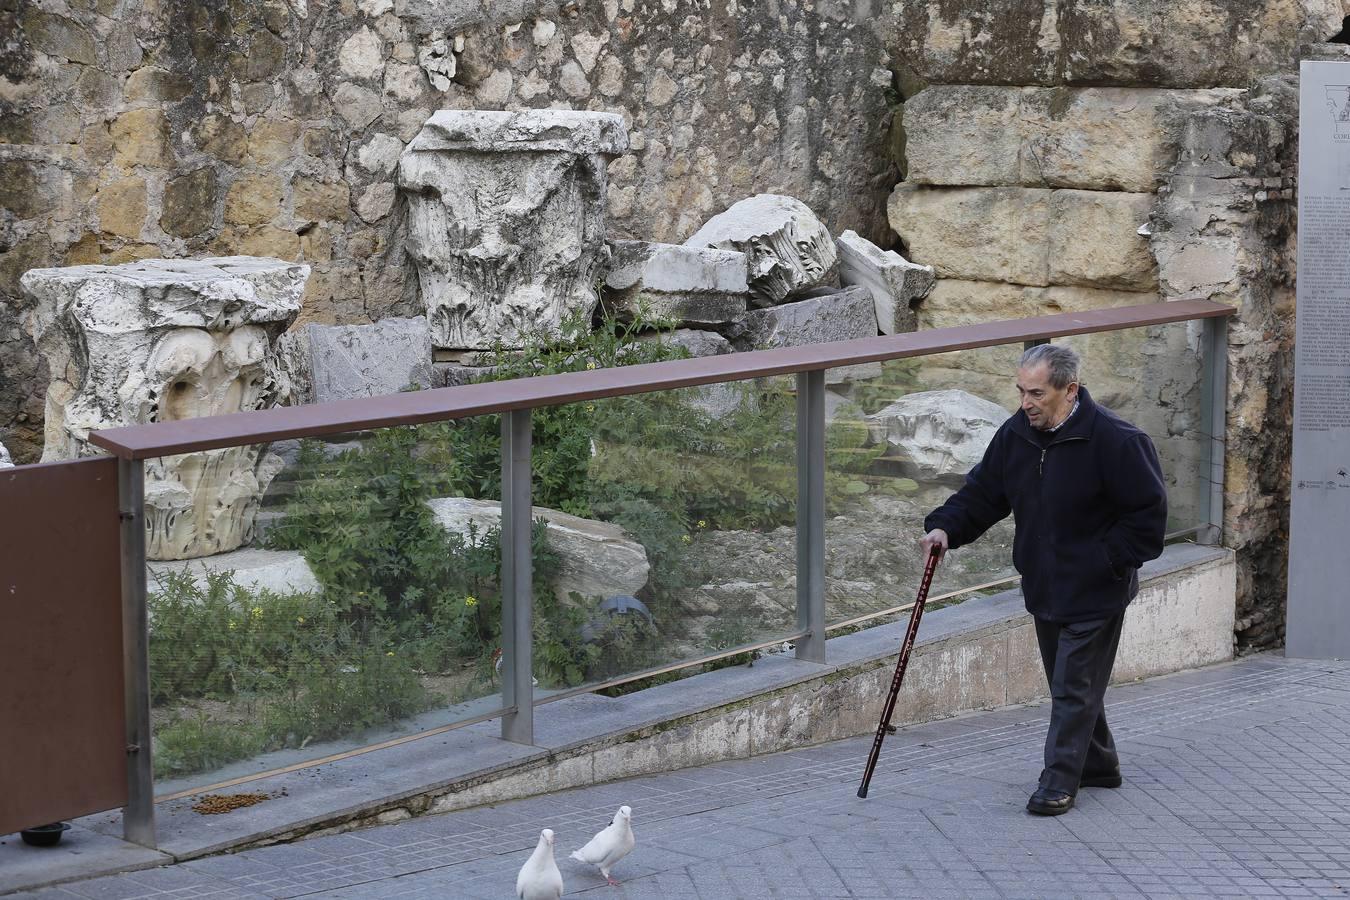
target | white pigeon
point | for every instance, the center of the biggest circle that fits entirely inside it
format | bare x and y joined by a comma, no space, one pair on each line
539,878
610,845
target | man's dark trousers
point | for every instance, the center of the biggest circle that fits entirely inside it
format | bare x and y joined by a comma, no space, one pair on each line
1078,658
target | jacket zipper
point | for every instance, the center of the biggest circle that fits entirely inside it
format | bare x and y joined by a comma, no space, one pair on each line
1040,466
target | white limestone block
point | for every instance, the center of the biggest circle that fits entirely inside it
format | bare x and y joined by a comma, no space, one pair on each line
789,249
893,281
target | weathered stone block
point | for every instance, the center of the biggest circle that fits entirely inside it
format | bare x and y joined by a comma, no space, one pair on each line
121,207
992,234
1160,43
1094,240
272,142
189,203
1124,139
979,41
5,461
321,201
152,83
222,137
597,559
1199,43
334,362
282,571
788,249
141,138
164,340
58,36
893,281
688,285
357,105
1029,236
506,219
254,199
840,316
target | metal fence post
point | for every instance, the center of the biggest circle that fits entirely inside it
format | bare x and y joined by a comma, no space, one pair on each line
1214,417
138,816
811,515
517,587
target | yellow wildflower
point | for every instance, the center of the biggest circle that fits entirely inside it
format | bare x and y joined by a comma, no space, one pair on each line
256,612
470,601
590,407
686,538
390,653
300,621
590,365
233,625
702,523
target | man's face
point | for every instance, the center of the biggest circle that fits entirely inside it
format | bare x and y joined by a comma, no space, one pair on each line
1045,405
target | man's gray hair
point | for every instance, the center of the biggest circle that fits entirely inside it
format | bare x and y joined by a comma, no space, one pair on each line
1063,362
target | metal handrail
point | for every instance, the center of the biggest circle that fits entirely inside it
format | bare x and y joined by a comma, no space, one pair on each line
439,404
515,399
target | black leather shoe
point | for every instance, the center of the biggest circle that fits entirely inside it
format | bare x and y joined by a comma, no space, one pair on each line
1046,802
1108,780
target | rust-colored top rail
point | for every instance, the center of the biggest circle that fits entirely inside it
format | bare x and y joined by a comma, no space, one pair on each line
416,407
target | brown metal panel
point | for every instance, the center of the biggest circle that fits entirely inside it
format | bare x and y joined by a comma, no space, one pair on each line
416,407
62,740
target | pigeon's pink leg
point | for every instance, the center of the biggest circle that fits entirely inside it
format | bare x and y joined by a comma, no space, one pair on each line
612,882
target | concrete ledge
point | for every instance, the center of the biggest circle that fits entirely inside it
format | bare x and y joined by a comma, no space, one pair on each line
980,654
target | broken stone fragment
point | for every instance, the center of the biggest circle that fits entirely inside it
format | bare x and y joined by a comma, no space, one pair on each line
334,362
686,285
505,220
789,249
842,315
893,281
937,433
281,571
160,340
597,559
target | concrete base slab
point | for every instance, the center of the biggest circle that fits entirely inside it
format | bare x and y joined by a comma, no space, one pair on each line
82,853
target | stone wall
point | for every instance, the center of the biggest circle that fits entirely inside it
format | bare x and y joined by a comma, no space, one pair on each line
1094,155
1036,137
143,128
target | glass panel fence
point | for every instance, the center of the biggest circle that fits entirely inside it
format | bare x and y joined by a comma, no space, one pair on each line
901,435
311,598
668,530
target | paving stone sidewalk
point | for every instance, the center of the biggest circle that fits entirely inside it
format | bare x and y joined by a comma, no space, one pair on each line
1237,784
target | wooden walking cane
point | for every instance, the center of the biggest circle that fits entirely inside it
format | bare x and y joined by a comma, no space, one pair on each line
934,554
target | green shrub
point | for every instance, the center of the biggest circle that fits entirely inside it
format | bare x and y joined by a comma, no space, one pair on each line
198,744
219,638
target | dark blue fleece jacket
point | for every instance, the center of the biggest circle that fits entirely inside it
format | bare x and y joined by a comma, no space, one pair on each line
1089,504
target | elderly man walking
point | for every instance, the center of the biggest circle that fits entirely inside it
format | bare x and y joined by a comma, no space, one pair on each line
1087,495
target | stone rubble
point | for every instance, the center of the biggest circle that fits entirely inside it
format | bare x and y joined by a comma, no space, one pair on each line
334,362
840,315
686,285
894,282
789,250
